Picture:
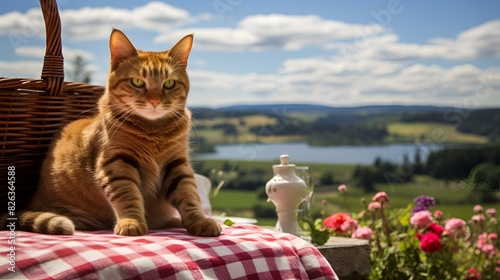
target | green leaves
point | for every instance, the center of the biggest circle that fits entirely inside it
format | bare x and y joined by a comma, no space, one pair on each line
318,237
228,222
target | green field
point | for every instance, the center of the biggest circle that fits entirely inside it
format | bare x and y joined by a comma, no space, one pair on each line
431,132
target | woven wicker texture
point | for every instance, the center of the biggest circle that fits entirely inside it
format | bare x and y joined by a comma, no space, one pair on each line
32,111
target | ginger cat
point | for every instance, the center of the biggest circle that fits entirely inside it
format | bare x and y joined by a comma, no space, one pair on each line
128,167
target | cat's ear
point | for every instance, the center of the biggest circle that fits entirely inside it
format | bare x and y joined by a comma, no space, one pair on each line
180,51
120,47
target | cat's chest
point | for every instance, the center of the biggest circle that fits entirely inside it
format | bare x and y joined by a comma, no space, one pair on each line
152,167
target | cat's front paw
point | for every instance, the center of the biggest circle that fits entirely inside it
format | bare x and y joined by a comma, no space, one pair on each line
130,227
202,227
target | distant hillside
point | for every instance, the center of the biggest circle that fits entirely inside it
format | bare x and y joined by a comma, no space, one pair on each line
312,108
324,125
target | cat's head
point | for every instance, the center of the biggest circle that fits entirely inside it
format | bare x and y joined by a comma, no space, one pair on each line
149,84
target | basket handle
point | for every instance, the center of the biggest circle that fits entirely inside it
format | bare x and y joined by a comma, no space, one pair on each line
53,62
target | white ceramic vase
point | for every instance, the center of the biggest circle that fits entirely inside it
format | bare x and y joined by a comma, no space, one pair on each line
286,191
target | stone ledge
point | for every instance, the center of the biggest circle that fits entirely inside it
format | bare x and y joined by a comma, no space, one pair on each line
349,257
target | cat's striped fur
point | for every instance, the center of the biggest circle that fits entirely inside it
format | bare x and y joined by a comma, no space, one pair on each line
127,168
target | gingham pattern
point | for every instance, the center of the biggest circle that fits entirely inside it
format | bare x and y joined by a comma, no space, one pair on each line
241,252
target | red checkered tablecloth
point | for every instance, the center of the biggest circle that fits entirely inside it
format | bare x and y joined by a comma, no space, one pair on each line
241,252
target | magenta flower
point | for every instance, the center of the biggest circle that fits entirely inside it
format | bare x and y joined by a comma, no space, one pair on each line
430,242
437,229
421,219
472,274
363,232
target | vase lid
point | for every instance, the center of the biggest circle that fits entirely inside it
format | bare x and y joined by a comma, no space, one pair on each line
284,165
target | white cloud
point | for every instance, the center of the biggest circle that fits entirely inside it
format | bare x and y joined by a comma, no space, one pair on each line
92,23
96,23
21,69
335,81
39,52
30,51
273,31
366,64
415,84
32,68
482,41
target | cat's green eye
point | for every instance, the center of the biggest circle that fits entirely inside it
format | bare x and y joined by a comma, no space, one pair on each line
137,82
169,84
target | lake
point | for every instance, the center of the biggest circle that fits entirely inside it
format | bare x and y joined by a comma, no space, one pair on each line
303,153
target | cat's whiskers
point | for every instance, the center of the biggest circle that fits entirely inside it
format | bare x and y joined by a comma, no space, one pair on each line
195,123
83,113
117,119
176,116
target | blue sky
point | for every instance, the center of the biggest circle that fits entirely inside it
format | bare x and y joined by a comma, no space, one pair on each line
337,53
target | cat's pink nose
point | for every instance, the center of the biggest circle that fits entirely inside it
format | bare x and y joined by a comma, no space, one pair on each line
154,102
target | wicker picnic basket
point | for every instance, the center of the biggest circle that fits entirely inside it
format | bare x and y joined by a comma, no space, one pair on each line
32,111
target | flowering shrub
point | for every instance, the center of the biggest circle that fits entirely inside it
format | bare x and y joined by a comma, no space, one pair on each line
415,243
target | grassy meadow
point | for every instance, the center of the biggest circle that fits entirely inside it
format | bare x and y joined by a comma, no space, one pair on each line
450,197
431,132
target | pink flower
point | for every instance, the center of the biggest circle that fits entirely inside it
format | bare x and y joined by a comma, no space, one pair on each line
493,236
380,197
478,218
437,229
342,188
481,240
363,232
488,249
349,225
373,206
455,227
438,214
478,208
491,212
324,202
430,242
421,219
483,244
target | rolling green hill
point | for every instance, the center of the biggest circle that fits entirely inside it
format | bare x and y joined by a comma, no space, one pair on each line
321,125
